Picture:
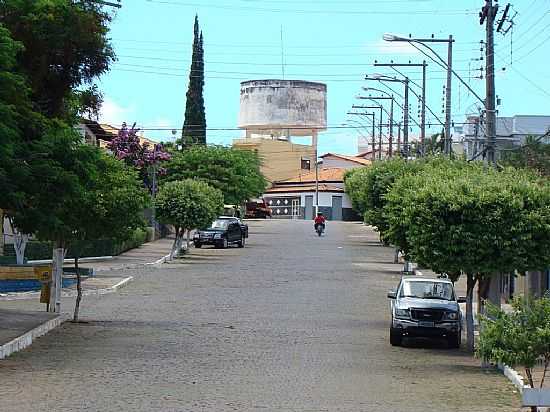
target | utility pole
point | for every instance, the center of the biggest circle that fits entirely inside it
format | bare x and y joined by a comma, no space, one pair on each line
448,144
487,15
381,108
423,98
406,119
373,133
390,125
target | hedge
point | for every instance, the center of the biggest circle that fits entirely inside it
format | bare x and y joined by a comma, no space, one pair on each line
38,250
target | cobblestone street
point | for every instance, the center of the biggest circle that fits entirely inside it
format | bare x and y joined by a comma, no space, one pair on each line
292,322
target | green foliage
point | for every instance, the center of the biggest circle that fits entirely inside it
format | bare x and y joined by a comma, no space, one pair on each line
82,193
518,338
188,204
65,47
38,250
19,124
236,173
458,216
194,127
367,188
533,154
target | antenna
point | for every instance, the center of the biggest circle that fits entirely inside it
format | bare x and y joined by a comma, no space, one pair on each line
282,53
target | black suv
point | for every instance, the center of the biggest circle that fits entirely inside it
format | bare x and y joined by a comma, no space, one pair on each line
223,232
425,307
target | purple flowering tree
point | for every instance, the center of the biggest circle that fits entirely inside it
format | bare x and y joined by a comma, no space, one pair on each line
146,158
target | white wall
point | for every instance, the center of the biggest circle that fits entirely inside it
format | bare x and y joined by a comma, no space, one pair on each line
325,198
341,163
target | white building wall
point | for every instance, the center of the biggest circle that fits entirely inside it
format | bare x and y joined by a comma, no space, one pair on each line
340,163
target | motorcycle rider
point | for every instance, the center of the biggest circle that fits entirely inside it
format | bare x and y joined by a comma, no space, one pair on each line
319,220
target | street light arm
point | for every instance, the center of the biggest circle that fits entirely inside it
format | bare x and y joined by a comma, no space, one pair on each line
444,66
420,98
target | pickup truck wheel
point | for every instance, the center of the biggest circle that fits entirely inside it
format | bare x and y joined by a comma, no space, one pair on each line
396,337
198,245
454,340
241,242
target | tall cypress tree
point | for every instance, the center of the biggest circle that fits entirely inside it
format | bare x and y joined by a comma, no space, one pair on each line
194,126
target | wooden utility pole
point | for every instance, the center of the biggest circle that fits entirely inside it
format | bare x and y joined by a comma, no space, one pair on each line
487,16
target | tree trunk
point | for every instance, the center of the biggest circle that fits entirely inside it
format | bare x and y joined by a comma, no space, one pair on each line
470,282
396,256
20,242
78,290
188,238
482,293
177,242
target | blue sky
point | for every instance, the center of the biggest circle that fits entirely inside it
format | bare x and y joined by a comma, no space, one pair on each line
334,42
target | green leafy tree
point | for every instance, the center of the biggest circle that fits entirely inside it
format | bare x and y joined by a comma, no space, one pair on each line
236,173
110,208
367,188
534,154
518,338
19,124
464,219
187,205
194,126
65,48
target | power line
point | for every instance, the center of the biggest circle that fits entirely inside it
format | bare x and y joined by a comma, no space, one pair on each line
314,11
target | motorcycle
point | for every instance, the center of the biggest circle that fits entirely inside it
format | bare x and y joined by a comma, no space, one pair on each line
319,228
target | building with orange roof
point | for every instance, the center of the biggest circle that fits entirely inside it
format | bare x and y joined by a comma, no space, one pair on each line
294,198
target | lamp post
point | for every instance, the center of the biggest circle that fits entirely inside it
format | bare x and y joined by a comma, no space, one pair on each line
373,139
405,81
446,65
381,108
390,125
423,98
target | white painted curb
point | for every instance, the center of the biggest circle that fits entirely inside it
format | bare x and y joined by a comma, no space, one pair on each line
84,260
25,340
513,376
68,294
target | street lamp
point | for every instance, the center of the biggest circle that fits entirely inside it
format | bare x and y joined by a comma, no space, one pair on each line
373,140
381,108
390,125
405,81
446,65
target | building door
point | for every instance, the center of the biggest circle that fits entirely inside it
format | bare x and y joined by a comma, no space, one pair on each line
295,208
336,207
308,215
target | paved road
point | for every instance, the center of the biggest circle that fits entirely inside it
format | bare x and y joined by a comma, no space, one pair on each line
290,323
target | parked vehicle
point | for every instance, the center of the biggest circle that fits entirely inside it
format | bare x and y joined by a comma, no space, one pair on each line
223,232
232,211
425,307
257,208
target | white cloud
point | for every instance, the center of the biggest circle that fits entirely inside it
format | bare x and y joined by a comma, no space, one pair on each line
114,114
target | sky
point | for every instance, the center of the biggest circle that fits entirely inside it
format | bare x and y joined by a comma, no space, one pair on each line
334,42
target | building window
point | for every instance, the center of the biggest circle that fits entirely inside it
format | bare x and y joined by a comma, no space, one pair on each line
306,164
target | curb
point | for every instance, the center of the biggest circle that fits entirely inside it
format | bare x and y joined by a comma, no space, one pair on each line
25,340
83,260
513,376
70,294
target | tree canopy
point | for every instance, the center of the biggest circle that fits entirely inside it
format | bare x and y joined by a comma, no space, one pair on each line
236,173
187,204
65,48
194,127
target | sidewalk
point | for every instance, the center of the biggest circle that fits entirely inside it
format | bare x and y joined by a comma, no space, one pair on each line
18,329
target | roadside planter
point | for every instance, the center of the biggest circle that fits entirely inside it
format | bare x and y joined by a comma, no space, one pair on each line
536,397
